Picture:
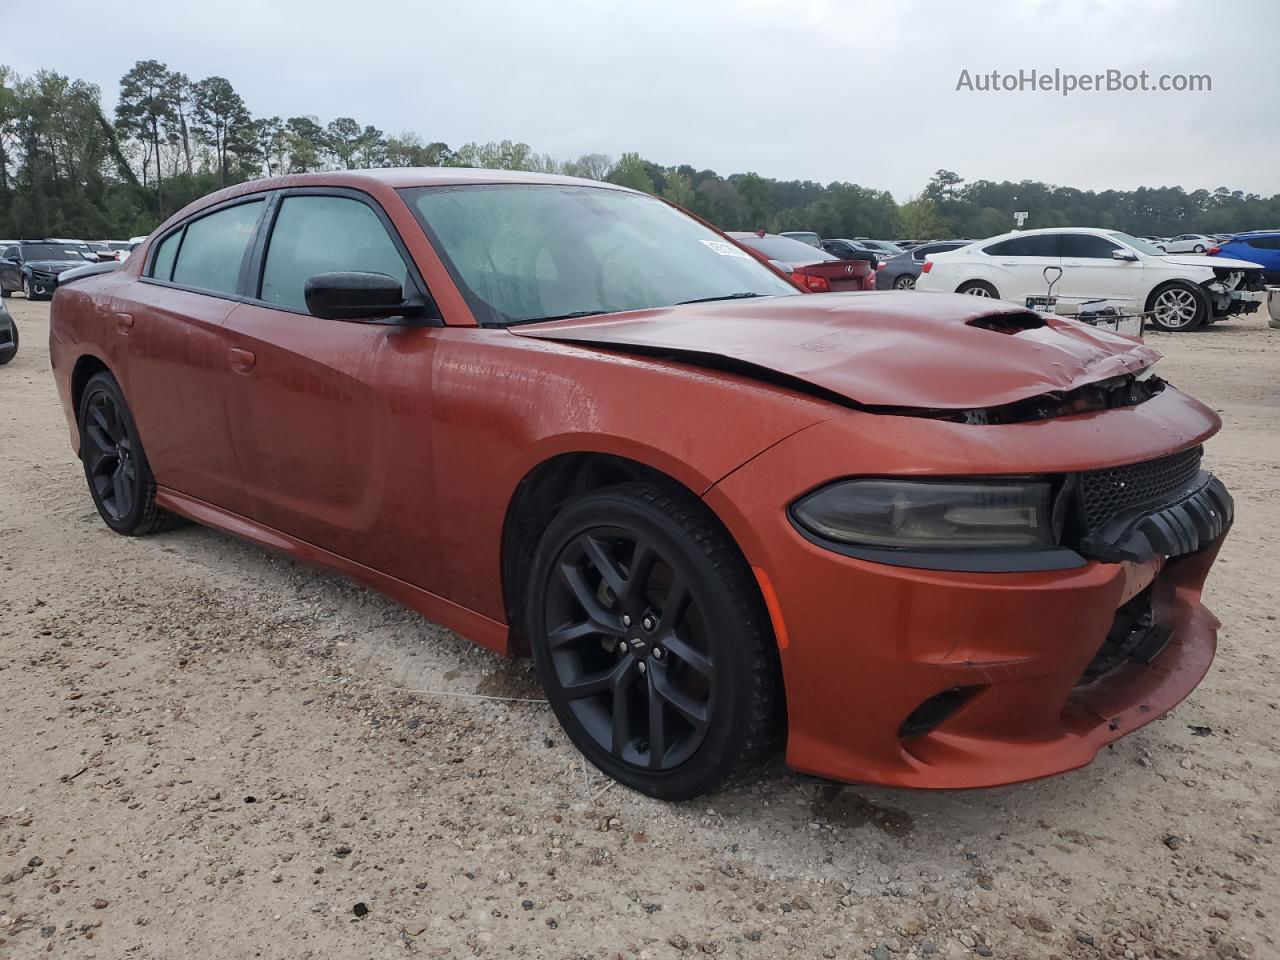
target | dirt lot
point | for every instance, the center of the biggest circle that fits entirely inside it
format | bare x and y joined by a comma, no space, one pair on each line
212,752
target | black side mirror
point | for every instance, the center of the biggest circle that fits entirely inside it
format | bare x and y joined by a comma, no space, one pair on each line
356,296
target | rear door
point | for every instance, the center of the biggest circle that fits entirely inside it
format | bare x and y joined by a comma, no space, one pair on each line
1018,264
1089,272
332,419
177,348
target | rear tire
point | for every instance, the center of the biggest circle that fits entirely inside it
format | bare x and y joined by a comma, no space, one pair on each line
653,643
978,288
115,465
1199,248
904,282
1177,307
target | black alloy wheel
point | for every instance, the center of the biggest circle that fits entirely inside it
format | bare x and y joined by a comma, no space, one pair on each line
652,643
109,459
115,465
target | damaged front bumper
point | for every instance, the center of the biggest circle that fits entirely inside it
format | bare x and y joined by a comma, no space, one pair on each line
934,678
1236,293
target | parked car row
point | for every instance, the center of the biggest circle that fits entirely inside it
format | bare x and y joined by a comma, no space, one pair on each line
32,266
1106,269
1179,292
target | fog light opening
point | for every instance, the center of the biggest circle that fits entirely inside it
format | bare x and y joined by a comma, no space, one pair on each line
938,708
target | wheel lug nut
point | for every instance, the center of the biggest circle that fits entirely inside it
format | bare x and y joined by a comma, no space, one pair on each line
626,619
642,667
659,653
649,623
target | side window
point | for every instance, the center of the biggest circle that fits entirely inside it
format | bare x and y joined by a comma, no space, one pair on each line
1265,243
919,253
11,253
1086,246
162,263
318,234
1041,245
214,248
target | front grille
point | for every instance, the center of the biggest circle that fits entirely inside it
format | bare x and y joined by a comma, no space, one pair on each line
1105,494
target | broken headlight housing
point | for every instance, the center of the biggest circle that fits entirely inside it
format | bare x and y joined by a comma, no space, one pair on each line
930,515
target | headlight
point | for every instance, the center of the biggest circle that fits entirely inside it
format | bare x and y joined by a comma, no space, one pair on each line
929,515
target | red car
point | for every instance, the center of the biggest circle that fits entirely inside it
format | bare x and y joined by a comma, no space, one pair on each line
929,541
811,267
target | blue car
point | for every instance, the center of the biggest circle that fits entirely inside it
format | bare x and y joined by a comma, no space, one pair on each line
1257,246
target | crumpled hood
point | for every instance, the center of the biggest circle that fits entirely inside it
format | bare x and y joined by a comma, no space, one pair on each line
891,349
1197,260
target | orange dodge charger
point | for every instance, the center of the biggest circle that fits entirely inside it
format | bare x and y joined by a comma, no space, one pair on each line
919,539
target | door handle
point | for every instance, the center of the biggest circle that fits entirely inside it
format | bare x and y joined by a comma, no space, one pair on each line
1008,263
242,361
124,322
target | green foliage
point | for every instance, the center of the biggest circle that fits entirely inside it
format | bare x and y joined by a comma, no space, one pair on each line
919,219
631,171
68,170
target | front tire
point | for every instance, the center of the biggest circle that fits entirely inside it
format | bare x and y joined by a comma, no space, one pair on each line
10,351
978,288
1177,307
652,641
115,465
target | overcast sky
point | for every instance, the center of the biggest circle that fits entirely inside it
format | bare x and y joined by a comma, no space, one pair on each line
806,89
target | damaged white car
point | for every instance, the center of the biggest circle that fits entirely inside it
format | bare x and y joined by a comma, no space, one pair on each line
1177,293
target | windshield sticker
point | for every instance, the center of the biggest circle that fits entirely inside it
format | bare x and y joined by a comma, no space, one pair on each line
725,249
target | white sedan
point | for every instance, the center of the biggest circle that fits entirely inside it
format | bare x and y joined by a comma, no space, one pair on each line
1190,243
1179,293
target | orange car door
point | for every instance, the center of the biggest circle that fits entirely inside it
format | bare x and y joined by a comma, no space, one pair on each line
331,419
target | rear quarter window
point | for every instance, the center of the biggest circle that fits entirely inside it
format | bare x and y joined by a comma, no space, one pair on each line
1264,243
162,262
1043,245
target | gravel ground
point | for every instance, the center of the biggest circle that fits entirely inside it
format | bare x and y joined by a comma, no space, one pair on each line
210,751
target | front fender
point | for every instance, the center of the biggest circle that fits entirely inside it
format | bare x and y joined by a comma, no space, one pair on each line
505,404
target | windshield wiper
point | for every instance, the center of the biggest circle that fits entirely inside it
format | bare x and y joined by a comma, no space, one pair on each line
727,296
564,316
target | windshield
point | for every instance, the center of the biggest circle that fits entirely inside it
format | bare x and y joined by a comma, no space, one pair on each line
786,249
50,251
1142,246
524,252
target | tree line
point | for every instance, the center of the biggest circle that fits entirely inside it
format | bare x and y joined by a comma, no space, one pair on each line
70,169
